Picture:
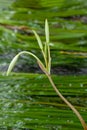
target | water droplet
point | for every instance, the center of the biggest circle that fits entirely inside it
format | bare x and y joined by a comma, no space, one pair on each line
48,116
86,90
10,91
51,44
17,86
15,111
70,84
83,109
29,12
7,105
70,121
3,39
81,85
3,123
19,123
19,105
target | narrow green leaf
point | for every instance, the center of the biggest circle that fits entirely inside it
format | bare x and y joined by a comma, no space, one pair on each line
38,39
12,64
14,60
47,31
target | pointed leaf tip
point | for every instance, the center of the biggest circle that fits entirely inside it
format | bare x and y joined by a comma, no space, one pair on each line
38,39
47,31
12,64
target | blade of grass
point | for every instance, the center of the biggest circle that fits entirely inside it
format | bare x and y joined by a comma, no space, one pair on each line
41,47
38,39
47,31
47,47
14,60
12,64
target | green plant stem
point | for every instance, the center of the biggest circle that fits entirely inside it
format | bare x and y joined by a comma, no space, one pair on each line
49,60
45,59
67,102
63,98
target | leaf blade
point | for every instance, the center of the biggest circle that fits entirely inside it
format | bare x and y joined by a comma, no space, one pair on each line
12,64
47,31
38,40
